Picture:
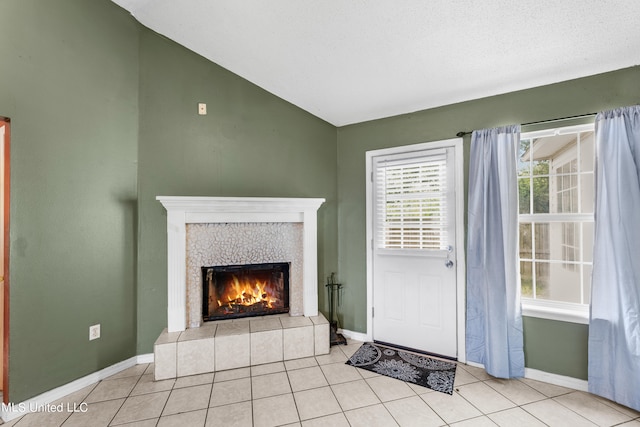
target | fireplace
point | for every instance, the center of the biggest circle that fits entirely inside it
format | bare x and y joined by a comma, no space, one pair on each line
264,230
234,291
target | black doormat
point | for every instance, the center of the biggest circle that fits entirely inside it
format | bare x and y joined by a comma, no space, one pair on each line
425,371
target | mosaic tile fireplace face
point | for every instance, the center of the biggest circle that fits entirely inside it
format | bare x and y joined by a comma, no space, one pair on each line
236,244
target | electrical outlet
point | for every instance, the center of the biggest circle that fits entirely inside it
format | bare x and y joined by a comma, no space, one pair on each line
94,332
202,109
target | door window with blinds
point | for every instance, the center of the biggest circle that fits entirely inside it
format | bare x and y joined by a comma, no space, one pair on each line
413,201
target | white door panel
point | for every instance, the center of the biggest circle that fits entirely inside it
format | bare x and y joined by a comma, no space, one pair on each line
415,303
414,291
431,302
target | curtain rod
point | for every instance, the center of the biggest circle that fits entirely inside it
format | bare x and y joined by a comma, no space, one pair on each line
463,133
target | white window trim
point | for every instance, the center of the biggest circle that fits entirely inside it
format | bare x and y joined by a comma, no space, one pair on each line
549,309
555,310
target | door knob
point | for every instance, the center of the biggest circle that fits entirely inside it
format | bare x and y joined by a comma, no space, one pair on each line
448,263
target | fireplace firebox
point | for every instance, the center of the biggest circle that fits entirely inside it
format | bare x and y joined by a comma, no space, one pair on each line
234,291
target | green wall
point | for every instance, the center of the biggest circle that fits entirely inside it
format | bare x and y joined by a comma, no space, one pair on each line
556,347
69,83
591,94
250,143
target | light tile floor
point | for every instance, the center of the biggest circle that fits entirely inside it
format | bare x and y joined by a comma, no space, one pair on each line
324,392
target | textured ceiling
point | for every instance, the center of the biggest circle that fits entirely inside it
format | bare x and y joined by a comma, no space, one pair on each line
348,61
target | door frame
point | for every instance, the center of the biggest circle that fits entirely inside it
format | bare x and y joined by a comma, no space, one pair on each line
456,144
6,170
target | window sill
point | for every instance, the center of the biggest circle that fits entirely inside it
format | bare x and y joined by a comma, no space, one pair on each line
564,312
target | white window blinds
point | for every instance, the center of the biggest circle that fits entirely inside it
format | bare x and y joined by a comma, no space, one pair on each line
411,202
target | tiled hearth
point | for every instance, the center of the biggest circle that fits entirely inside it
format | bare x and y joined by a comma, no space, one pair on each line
188,347
239,343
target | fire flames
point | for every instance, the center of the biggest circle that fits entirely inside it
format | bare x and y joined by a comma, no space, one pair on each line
245,293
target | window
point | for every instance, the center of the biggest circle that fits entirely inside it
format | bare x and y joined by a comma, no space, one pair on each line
556,197
411,197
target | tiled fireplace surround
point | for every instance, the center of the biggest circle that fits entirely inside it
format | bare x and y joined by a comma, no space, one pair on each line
227,231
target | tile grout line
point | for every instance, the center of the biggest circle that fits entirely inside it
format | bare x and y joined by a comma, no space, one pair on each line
535,417
515,403
518,406
137,382
546,398
293,396
125,397
253,415
206,414
372,390
82,400
577,413
331,388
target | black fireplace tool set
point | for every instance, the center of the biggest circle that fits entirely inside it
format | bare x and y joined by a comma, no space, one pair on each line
334,290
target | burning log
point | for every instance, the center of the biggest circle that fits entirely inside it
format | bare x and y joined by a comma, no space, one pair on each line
234,307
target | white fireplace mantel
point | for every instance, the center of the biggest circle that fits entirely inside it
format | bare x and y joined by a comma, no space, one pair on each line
209,210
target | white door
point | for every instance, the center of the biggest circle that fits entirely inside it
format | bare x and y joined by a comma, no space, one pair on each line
414,227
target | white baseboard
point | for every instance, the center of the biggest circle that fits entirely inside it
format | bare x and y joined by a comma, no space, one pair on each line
475,364
548,377
556,379
144,358
358,336
15,410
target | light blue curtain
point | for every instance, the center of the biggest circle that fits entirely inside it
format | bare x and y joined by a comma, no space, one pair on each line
614,326
494,320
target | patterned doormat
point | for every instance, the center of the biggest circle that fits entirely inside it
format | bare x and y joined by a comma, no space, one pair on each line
425,371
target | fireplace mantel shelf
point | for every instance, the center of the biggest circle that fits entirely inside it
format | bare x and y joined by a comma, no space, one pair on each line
236,204
183,210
